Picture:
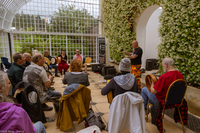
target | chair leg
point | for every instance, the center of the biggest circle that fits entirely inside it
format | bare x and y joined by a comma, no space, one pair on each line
149,104
181,120
163,120
147,112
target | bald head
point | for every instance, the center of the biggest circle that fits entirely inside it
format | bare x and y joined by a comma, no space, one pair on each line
38,59
135,44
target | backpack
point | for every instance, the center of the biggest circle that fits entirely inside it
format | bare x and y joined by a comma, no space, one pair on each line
94,119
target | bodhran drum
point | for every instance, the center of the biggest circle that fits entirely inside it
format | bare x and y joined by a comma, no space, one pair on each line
149,79
49,73
59,60
47,60
53,61
46,66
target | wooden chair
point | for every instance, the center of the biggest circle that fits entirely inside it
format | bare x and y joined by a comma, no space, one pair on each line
110,95
88,60
175,95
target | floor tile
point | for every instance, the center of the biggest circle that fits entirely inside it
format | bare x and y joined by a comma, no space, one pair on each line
100,105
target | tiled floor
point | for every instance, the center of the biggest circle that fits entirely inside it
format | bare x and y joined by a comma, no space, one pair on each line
100,105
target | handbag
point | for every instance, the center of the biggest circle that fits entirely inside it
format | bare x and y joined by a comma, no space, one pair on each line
94,119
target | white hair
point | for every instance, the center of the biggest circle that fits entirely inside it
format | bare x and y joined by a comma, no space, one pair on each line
3,77
26,55
35,51
169,61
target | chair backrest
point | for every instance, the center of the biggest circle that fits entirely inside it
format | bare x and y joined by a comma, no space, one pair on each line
31,103
176,92
88,60
5,62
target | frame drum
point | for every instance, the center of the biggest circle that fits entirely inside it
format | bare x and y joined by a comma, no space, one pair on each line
59,60
53,61
149,79
46,66
47,60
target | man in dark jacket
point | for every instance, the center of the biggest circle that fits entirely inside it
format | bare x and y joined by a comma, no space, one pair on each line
122,83
15,73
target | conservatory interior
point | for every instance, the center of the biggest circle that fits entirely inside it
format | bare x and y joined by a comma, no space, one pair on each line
103,32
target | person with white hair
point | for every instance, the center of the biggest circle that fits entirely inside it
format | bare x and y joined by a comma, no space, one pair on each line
159,90
13,117
35,51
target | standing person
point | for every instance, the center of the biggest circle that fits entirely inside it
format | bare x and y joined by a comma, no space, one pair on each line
46,54
80,57
15,73
27,57
136,61
63,64
13,117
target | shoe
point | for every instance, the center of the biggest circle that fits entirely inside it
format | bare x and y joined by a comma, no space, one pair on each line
57,75
46,107
52,88
49,119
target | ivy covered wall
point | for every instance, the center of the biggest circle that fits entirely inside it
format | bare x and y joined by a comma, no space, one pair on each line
179,31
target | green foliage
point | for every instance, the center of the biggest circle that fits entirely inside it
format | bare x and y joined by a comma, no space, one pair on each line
71,20
179,31
26,22
180,26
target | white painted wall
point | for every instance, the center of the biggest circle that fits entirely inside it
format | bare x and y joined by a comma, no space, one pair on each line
141,29
152,35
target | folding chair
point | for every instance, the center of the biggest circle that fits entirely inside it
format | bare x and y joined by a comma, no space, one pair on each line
5,62
175,95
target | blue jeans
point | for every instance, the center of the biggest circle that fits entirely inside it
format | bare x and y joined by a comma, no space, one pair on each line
39,127
146,94
55,67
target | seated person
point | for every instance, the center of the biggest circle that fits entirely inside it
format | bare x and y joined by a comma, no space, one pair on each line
76,76
35,52
159,90
63,64
15,73
46,54
27,57
80,57
124,82
19,121
36,75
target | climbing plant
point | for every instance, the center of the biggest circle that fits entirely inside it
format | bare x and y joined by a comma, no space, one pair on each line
179,31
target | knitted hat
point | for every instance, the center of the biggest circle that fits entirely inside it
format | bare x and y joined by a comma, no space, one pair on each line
125,65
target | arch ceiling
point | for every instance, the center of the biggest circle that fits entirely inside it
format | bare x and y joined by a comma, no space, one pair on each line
8,8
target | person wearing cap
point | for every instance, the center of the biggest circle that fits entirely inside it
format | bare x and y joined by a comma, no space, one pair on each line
124,82
136,60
